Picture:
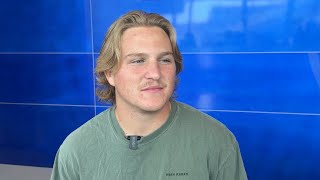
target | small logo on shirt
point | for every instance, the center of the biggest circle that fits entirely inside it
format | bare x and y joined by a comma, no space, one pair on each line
176,174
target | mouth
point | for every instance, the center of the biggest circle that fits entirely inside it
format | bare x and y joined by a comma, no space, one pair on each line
152,89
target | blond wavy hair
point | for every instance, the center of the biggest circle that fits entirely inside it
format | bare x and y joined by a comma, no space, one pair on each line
109,58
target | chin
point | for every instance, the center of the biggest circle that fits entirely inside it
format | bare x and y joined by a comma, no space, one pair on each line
154,106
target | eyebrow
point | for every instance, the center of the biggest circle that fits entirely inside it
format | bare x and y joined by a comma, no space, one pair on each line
135,55
165,54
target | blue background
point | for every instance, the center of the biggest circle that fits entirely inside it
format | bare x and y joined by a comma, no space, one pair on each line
252,64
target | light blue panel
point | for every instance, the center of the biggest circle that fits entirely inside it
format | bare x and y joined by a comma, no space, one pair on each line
225,25
276,146
104,13
46,78
31,135
45,26
255,82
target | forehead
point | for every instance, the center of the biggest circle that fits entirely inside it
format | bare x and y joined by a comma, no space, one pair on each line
143,29
145,38
144,33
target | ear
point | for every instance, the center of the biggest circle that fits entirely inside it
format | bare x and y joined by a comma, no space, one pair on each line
110,77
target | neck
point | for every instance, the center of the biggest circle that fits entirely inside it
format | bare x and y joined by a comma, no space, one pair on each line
141,123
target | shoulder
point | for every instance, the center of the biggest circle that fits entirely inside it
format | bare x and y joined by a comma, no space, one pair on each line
196,117
78,147
86,134
204,125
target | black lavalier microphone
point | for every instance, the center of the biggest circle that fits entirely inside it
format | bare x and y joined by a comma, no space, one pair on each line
133,142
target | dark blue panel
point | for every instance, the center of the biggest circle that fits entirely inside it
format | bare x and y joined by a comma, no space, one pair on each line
238,25
31,135
100,109
46,78
276,146
255,82
45,26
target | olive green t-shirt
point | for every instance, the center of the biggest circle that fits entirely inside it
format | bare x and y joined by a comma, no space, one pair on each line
190,145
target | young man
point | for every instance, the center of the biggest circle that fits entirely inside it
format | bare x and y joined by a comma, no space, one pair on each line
146,134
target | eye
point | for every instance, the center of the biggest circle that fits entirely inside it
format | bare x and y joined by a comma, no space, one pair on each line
137,61
166,60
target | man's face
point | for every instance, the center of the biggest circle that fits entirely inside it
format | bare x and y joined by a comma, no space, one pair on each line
146,78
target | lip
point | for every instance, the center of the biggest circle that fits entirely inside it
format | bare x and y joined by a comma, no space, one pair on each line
152,89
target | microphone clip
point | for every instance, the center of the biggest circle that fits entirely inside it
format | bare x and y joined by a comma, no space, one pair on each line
133,142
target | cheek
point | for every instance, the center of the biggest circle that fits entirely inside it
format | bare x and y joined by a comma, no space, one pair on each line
170,74
124,79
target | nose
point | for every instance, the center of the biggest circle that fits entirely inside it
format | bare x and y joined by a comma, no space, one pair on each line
153,71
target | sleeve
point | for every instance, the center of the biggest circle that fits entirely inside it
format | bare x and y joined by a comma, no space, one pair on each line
231,168
65,167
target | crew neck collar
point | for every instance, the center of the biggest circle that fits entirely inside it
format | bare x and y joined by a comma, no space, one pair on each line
146,139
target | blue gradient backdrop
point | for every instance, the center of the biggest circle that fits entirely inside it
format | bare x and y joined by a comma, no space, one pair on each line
254,65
